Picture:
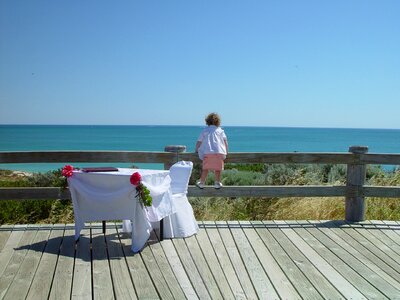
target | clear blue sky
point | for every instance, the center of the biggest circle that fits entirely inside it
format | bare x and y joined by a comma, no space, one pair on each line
258,63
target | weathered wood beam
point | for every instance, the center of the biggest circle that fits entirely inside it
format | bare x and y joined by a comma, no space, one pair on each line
167,157
20,193
269,191
381,191
86,156
282,157
380,159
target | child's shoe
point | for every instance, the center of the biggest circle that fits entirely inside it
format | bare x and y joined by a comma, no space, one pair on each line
218,185
200,185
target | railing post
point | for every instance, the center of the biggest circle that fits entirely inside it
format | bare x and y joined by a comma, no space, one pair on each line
356,173
174,149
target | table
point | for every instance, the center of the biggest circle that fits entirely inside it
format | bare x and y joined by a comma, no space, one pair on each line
102,196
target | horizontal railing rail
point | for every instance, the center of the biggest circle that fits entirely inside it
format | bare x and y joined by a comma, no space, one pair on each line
86,157
167,157
354,191
272,191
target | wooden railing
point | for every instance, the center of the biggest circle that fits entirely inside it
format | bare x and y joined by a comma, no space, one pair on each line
354,191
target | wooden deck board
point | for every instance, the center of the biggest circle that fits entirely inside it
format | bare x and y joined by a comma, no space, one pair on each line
223,258
191,268
5,232
293,273
62,281
22,280
141,279
370,263
280,281
340,282
178,269
204,269
41,284
226,260
366,232
8,249
15,261
82,276
165,268
236,260
214,265
101,273
388,262
121,279
394,238
282,246
378,231
260,279
154,270
365,270
341,264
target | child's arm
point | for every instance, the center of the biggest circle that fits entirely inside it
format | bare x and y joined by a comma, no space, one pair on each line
198,146
226,146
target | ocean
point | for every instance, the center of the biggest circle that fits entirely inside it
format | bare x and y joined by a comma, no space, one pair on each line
155,138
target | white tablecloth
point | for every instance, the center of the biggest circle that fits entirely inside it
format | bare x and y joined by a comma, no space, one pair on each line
98,196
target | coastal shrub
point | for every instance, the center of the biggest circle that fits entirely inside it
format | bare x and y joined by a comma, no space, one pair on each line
21,182
196,172
337,174
12,179
376,171
235,177
33,211
61,211
279,174
51,178
246,167
296,174
25,211
384,178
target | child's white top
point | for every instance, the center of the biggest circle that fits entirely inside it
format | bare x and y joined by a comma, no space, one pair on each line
212,140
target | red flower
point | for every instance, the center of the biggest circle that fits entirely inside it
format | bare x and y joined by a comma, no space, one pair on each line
67,171
142,192
135,178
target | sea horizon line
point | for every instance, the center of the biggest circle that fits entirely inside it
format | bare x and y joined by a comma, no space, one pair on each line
193,125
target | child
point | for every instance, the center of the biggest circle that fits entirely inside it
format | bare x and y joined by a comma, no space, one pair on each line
212,147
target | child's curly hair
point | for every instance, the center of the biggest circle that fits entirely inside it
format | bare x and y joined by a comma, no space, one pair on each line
213,119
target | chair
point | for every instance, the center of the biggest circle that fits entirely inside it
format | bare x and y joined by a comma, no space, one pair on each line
182,223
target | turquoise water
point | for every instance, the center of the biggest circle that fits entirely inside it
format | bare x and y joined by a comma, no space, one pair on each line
154,138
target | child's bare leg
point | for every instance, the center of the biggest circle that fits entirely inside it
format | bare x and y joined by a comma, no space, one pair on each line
203,176
217,176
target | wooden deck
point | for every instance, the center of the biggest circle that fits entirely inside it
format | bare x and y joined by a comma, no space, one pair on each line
225,260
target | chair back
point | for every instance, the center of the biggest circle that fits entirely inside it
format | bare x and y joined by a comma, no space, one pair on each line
180,174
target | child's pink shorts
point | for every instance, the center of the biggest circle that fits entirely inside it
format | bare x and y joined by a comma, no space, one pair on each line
213,162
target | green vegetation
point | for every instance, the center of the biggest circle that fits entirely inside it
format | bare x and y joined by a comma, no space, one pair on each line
34,211
58,211
316,208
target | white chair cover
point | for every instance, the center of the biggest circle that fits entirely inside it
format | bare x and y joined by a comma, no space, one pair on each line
182,223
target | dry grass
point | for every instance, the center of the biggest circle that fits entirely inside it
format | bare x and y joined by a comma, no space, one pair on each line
315,208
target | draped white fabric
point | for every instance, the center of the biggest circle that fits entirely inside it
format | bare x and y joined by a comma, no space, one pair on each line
110,196
182,223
